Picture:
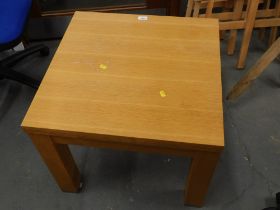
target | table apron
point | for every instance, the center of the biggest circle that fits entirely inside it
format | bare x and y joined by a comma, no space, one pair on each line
134,147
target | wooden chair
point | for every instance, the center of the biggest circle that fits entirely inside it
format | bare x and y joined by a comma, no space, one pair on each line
255,71
195,6
239,14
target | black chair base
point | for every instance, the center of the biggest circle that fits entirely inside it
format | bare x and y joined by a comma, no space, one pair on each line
6,71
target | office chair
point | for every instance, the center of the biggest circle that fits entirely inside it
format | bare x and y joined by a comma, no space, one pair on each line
13,18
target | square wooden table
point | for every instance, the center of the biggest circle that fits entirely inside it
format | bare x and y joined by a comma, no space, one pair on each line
137,83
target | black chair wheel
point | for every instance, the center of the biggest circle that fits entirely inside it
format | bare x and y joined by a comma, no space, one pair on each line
45,51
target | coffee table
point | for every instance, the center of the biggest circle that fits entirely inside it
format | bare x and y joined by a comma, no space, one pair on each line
137,83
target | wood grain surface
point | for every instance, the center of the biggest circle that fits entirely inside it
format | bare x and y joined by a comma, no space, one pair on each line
107,74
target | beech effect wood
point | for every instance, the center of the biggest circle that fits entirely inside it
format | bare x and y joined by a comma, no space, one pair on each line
235,18
60,162
118,104
178,55
248,30
237,15
201,171
255,71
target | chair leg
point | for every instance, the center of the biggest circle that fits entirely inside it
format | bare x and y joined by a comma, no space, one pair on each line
13,59
189,8
274,30
209,8
255,71
262,30
250,20
196,8
238,9
8,73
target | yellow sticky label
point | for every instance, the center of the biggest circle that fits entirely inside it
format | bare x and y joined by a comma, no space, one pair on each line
162,93
102,66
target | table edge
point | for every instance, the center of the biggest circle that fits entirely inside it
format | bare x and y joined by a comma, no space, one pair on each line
122,139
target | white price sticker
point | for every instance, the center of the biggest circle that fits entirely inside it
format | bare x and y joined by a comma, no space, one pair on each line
142,18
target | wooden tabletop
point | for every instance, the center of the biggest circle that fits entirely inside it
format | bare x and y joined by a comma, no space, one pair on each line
152,78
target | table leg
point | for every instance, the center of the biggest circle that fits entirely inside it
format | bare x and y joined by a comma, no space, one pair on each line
60,162
202,168
250,21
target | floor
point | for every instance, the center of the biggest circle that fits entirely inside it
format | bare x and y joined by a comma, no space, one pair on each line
246,178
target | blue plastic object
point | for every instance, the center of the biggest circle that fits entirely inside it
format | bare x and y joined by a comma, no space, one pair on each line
13,15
